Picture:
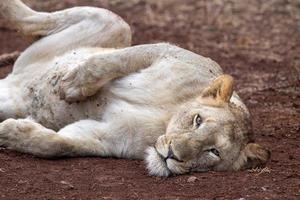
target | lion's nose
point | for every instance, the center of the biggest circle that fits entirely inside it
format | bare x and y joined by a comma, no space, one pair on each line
171,155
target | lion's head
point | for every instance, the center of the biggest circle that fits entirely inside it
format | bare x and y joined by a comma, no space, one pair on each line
213,132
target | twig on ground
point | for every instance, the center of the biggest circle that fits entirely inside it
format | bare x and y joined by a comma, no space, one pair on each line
260,171
9,58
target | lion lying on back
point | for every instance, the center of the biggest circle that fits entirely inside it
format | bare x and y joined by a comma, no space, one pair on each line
81,90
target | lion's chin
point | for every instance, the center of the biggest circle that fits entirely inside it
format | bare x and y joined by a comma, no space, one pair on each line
155,164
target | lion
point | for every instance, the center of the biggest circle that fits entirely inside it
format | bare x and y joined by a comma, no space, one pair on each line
81,89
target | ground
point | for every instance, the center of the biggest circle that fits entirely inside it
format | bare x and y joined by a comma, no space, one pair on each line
258,42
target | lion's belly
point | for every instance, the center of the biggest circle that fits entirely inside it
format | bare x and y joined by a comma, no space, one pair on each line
41,94
46,107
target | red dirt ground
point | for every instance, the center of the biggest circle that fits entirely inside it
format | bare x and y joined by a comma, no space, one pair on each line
258,42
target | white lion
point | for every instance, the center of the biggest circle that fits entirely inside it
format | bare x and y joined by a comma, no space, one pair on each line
81,90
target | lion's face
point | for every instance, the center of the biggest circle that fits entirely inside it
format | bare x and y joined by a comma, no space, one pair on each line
209,133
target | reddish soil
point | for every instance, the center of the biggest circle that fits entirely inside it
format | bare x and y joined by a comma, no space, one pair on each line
258,42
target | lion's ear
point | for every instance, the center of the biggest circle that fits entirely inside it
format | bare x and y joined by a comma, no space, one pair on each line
253,156
220,89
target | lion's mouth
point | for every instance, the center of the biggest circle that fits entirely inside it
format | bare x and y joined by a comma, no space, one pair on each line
160,155
160,165
170,155
156,163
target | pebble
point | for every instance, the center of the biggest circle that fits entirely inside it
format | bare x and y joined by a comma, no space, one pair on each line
263,188
192,179
69,185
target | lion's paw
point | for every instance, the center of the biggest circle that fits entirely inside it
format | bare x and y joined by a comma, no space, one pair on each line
78,84
6,128
12,130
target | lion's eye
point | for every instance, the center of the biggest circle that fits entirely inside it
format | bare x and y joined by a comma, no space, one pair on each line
197,120
215,151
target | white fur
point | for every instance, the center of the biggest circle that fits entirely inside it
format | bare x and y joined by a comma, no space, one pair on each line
154,163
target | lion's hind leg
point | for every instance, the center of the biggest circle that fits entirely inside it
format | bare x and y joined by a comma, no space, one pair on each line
102,28
10,106
82,138
64,31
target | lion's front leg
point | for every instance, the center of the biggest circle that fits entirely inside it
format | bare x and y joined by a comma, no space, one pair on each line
84,81
88,77
27,136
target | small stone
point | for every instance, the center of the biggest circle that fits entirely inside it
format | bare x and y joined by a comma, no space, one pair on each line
2,170
263,188
69,185
192,179
22,181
